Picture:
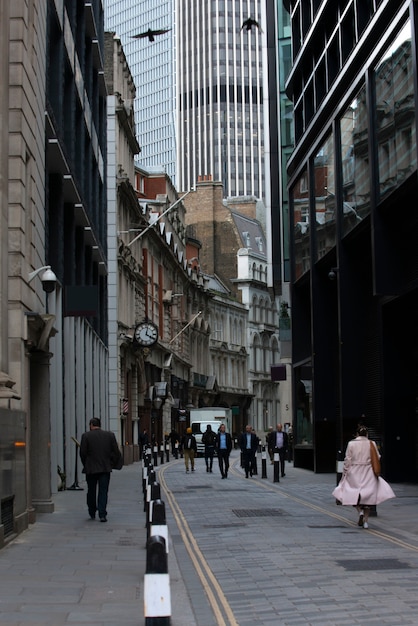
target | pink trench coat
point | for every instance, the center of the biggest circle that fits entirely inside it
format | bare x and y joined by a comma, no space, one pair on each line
358,479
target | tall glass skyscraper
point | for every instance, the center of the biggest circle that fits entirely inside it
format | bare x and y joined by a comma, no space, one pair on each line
152,64
202,89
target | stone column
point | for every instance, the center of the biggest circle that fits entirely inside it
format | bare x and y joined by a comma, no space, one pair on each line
40,433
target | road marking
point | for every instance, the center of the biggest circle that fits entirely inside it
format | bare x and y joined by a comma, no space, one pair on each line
211,586
319,509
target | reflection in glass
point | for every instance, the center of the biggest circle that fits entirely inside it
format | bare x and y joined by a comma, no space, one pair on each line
301,243
355,162
325,198
395,119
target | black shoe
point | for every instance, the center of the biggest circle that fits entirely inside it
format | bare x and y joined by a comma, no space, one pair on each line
192,469
92,515
103,519
246,475
283,475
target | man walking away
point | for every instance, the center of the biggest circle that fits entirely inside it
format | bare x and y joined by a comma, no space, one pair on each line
99,453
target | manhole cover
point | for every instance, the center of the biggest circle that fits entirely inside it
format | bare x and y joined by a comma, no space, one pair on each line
257,512
353,565
330,526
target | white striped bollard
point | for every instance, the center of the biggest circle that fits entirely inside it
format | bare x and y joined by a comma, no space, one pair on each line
157,595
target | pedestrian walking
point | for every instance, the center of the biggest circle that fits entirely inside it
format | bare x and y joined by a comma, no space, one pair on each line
143,441
279,441
248,445
174,438
208,439
359,486
99,453
269,443
189,447
223,446
290,444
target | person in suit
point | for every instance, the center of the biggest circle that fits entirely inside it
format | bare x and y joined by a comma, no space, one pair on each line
248,445
223,447
269,443
99,453
279,441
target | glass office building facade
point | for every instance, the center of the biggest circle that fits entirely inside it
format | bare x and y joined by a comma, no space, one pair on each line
353,216
152,64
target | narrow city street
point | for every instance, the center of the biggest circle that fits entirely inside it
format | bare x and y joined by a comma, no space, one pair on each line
242,551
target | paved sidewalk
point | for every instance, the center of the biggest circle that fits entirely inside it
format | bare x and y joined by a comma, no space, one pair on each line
68,569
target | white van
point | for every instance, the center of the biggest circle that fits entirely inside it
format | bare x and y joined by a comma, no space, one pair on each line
214,416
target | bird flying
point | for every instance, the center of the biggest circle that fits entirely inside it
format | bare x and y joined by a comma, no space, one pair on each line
249,23
151,33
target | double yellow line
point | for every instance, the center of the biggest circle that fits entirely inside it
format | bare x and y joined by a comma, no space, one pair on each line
219,604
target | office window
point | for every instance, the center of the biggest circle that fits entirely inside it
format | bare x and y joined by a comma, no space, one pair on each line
395,113
325,218
301,236
355,162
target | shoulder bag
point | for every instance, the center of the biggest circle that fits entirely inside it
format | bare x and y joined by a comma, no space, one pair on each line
374,457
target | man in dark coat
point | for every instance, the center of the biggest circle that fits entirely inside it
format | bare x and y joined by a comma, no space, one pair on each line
99,453
248,445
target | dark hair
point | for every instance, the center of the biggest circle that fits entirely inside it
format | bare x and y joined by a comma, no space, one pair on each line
95,422
362,431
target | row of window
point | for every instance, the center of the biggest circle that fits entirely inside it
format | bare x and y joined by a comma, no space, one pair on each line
392,96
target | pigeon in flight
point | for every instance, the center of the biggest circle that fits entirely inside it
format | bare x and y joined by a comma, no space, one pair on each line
249,23
151,34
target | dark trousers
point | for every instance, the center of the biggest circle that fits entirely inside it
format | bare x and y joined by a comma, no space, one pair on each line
282,457
209,452
248,459
97,501
223,460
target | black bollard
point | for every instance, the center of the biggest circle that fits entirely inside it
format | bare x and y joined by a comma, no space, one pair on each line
154,494
158,512
167,452
150,479
155,453
157,597
158,521
176,450
162,454
263,463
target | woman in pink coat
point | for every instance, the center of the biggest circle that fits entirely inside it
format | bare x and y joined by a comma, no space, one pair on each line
359,486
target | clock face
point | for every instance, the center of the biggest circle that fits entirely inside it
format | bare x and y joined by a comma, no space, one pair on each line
146,333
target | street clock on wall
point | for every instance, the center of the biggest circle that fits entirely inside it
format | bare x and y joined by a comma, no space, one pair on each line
146,334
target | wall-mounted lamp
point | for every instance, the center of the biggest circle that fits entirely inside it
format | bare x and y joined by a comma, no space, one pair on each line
332,274
48,278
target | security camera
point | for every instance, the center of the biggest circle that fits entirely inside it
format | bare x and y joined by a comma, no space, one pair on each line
49,281
332,275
